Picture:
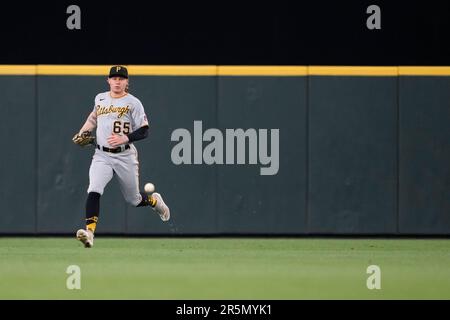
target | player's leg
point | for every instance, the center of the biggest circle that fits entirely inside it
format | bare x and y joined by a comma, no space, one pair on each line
100,173
127,170
92,210
160,207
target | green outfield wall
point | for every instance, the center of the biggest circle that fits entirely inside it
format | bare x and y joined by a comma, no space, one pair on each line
361,151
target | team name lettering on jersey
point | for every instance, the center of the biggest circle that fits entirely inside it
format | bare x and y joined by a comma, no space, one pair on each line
111,109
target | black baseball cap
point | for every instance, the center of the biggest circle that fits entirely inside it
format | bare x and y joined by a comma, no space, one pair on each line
118,71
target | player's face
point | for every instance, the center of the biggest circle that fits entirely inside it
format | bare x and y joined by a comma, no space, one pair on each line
118,84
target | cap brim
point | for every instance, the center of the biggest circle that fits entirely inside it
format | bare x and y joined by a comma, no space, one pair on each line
117,75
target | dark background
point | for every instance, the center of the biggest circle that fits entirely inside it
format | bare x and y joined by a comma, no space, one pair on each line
359,155
223,33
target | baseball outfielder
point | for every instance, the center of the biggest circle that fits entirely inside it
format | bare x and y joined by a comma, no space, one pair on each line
119,119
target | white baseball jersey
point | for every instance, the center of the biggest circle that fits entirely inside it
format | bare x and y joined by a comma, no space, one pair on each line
121,116
117,115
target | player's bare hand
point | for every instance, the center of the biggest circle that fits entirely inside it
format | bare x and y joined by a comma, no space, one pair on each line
116,140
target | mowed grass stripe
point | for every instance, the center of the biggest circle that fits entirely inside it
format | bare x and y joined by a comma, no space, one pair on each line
212,268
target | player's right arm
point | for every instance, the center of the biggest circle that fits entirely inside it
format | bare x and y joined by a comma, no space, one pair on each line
91,123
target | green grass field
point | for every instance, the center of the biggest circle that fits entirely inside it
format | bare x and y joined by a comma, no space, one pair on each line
216,268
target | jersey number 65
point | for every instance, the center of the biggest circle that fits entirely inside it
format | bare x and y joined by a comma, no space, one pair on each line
117,128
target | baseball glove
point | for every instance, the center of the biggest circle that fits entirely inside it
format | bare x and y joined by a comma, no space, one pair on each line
84,138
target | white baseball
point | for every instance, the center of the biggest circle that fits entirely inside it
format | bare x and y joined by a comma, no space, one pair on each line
149,187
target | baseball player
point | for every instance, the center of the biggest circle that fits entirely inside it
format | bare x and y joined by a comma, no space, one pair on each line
119,119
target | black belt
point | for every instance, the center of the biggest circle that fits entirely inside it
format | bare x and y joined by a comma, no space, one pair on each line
114,150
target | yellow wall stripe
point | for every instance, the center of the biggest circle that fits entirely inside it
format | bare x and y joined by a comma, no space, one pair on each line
262,70
148,70
424,71
17,69
72,70
134,70
352,71
171,70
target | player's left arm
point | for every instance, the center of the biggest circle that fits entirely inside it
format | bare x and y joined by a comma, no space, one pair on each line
138,134
139,123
